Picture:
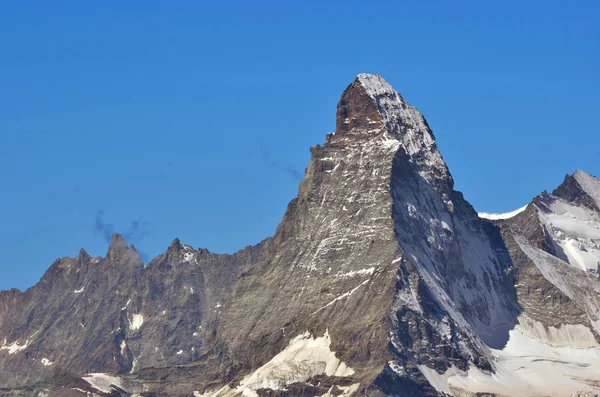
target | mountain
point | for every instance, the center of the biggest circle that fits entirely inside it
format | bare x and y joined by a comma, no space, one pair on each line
381,280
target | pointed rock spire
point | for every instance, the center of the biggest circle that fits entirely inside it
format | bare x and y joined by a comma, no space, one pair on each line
580,189
83,255
117,248
370,108
175,245
589,184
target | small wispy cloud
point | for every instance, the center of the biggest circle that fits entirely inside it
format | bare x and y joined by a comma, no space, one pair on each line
132,234
290,169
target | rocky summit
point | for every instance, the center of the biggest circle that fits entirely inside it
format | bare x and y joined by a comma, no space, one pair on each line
381,280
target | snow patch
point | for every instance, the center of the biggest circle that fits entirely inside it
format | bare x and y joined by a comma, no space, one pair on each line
362,272
342,296
576,230
506,215
46,362
103,382
590,184
136,322
14,347
304,358
567,335
346,390
188,256
528,367
126,305
79,291
438,381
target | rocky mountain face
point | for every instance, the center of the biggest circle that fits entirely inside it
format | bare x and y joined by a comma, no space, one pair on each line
381,280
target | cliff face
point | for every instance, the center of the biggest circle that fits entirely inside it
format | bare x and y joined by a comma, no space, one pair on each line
381,280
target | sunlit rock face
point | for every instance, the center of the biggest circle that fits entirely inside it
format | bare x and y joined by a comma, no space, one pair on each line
381,280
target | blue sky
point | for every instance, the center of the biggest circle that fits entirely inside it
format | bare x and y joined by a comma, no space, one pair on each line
194,120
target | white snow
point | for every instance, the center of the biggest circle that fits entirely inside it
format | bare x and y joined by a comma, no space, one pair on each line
14,347
581,287
412,132
576,230
79,291
123,347
342,296
46,362
527,367
346,390
362,272
539,360
437,243
126,305
567,335
188,256
305,357
590,184
438,381
103,382
506,215
136,322
180,352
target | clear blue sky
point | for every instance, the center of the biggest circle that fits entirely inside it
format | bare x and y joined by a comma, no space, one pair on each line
193,120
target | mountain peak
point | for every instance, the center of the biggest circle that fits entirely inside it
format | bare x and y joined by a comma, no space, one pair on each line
590,184
375,85
117,248
175,244
117,240
371,108
176,247
580,188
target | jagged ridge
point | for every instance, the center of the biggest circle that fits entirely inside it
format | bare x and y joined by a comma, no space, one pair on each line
381,280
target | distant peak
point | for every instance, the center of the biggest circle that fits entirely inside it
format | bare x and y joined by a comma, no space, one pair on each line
117,247
117,240
83,254
175,246
580,188
589,184
579,174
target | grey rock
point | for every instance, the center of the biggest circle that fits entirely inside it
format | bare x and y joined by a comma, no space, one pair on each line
379,275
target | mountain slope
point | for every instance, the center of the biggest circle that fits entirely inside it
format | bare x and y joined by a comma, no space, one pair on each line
381,280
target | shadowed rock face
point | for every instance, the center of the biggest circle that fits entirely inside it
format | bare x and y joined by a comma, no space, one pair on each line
380,280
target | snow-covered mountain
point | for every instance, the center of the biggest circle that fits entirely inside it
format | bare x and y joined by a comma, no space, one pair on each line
381,280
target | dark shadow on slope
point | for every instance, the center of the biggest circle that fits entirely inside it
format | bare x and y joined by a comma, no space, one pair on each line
460,258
